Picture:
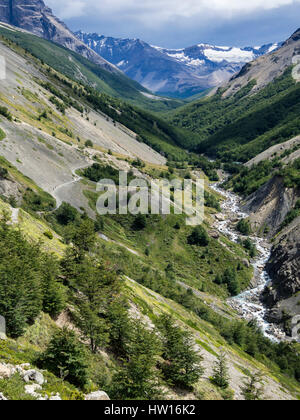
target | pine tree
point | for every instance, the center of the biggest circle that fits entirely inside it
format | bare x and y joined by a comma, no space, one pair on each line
231,280
66,357
253,388
221,375
182,364
54,296
138,378
20,279
95,287
117,316
84,237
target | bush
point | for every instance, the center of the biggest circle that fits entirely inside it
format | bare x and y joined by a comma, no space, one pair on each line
244,227
66,357
199,237
250,247
5,112
48,235
38,201
89,143
140,222
66,214
3,173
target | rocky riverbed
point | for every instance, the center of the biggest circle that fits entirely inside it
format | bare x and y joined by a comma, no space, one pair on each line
248,304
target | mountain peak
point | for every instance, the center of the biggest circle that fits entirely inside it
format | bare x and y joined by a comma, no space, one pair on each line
294,38
173,72
37,18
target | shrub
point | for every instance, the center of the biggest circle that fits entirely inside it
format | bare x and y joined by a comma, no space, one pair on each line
140,222
199,237
244,227
48,234
89,143
5,112
66,214
3,173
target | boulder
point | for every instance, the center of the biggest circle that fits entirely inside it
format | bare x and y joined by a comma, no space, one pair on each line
31,390
56,397
214,234
5,371
97,396
33,376
246,263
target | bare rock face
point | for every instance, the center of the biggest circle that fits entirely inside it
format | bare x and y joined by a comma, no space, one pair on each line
284,265
282,296
269,205
35,17
266,68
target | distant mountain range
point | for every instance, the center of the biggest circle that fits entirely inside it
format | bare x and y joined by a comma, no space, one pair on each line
178,73
175,73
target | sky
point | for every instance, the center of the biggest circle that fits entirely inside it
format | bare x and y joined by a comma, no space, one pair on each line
183,23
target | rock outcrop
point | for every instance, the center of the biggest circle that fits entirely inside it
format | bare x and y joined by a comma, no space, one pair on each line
282,296
34,16
269,205
266,68
97,396
284,264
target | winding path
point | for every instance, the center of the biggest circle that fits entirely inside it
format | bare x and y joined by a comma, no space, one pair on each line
77,178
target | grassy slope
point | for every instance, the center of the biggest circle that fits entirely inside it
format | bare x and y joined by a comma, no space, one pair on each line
242,126
150,128
206,337
77,67
164,245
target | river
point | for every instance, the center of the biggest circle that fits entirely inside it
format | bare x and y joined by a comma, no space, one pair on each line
248,303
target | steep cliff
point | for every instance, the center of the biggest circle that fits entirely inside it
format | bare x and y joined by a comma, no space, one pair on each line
282,296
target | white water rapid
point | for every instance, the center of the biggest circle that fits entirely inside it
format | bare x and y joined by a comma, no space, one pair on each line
248,304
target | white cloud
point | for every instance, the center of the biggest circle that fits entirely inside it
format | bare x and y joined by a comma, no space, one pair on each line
162,10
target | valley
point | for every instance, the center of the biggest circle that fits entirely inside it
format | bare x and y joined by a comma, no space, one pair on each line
145,306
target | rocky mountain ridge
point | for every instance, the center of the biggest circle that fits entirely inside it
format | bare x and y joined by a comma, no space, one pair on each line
266,68
35,17
180,72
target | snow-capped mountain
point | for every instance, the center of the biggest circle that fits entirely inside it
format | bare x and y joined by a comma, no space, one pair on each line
177,73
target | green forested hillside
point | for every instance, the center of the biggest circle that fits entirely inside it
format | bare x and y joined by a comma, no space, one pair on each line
239,127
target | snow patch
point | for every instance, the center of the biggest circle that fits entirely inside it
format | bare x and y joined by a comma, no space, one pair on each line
234,55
